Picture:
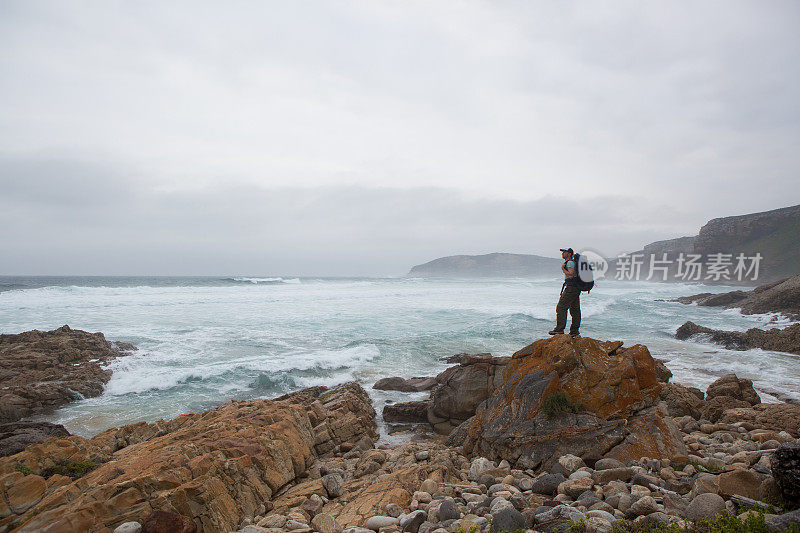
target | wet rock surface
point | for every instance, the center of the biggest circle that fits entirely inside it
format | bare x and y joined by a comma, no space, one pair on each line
781,296
779,340
615,453
42,370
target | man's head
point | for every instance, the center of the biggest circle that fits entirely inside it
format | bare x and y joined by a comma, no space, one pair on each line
566,253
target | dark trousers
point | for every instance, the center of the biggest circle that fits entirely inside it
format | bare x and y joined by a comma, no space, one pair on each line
570,299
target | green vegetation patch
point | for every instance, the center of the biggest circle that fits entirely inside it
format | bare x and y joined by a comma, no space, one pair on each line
722,523
70,469
558,403
23,469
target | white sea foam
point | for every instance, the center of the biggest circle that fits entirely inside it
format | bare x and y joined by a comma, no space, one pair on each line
256,281
200,345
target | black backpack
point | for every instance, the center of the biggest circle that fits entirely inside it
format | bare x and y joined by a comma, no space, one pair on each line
584,274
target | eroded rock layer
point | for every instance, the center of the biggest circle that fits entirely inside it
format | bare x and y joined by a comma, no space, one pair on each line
212,467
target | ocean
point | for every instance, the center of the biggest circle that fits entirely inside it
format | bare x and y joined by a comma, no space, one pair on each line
207,340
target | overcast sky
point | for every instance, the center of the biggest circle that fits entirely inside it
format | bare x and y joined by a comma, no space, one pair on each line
339,138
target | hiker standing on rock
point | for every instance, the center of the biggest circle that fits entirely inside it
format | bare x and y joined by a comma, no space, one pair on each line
570,296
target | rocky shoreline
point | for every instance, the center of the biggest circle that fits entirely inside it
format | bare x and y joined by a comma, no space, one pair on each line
580,434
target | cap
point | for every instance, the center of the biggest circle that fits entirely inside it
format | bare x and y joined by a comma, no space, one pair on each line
567,250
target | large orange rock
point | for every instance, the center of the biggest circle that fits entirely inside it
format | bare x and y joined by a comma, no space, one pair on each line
212,468
613,391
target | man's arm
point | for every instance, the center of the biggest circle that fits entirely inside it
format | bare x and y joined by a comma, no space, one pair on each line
568,272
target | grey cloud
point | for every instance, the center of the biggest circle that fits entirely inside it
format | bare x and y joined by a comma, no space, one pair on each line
363,137
303,231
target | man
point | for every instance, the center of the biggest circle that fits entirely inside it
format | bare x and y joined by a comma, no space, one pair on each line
570,296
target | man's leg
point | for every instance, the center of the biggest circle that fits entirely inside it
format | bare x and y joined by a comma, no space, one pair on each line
561,313
575,313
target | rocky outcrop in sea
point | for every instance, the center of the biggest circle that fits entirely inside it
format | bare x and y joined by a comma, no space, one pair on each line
43,370
782,296
774,339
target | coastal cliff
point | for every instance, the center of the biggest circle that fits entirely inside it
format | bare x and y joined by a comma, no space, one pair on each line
773,234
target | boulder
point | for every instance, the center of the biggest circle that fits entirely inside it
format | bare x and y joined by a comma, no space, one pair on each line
462,388
681,401
642,506
786,522
548,484
745,483
663,374
416,384
772,416
42,370
579,396
214,467
705,506
715,408
649,433
507,520
785,466
735,387
415,412
333,484
16,436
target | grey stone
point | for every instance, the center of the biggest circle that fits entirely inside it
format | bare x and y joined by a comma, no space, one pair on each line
413,520
394,510
294,525
548,484
784,522
448,511
333,484
607,463
507,519
642,506
376,522
598,513
705,506
479,466
128,527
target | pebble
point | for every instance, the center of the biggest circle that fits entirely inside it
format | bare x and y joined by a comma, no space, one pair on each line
376,522
128,527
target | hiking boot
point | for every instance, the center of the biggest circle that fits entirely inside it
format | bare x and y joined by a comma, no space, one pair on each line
574,335
555,332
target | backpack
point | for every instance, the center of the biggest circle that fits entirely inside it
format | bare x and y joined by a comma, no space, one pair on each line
585,273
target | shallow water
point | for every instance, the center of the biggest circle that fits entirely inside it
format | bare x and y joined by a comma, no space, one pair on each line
204,341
